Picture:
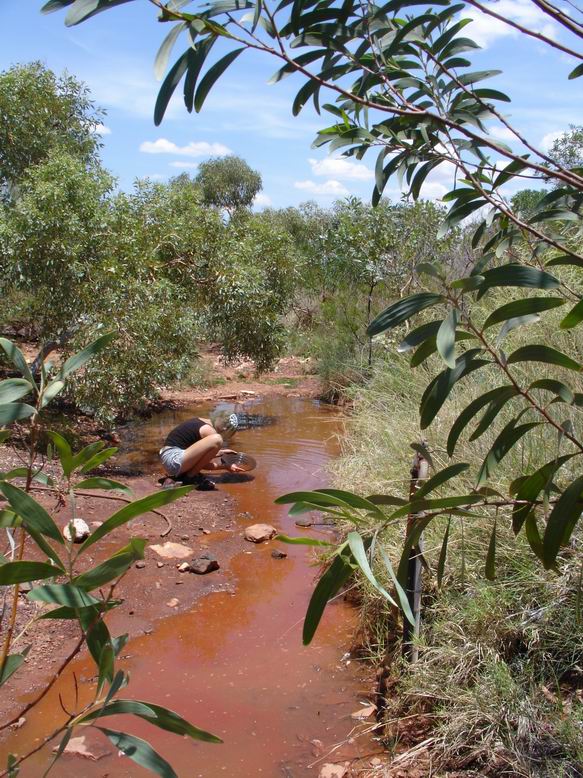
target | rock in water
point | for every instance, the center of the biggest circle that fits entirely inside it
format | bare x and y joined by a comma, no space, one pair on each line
79,746
77,531
205,564
277,554
258,533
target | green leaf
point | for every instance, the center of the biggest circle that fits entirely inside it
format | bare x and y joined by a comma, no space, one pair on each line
443,555
165,49
66,612
14,412
302,541
212,75
557,387
386,499
353,500
12,663
439,390
64,451
195,61
562,521
492,412
51,392
512,324
401,593
436,504
4,435
401,311
19,572
113,567
440,478
62,594
13,389
139,752
156,715
77,361
445,340
98,459
530,488
419,335
106,666
540,353
470,411
490,569
505,441
32,513
358,552
327,587
576,72
16,356
86,454
469,284
102,483
565,259
518,275
522,308
573,318
136,508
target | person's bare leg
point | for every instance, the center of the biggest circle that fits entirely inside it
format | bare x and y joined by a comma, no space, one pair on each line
200,454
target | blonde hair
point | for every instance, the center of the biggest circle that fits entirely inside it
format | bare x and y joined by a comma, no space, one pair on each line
225,423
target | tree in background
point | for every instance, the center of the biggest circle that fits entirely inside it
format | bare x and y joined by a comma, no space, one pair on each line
228,183
41,113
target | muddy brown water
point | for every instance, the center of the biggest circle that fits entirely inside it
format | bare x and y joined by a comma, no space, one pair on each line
235,664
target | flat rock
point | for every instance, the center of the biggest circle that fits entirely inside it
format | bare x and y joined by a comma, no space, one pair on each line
363,713
184,567
330,770
258,533
173,602
172,550
277,554
76,530
78,746
204,564
303,522
141,564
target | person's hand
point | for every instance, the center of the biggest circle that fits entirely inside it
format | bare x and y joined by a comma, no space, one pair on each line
235,469
226,451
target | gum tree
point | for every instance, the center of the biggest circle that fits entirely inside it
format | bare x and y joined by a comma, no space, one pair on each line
395,80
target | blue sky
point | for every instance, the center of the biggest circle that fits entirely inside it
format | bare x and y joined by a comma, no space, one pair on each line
114,53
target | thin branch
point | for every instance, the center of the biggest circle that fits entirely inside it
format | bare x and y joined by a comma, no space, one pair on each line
531,33
48,687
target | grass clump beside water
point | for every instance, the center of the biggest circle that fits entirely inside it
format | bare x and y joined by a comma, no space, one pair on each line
500,671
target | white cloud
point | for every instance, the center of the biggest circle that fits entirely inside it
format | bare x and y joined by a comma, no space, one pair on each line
331,188
433,190
486,29
262,200
548,139
192,149
156,177
341,169
180,164
503,133
101,129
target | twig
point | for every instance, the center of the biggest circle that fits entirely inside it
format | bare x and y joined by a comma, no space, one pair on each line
117,497
47,688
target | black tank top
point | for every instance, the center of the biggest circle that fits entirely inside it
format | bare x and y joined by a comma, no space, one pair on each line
185,434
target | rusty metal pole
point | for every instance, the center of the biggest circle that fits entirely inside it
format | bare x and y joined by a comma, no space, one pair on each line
413,588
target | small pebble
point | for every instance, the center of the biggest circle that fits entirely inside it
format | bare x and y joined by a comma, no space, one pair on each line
160,564
141,564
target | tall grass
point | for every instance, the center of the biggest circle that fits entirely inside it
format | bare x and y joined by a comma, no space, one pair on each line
500,663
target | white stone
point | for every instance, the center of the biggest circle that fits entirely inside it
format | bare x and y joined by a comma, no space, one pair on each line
77,746
77,531
172,551
363,713
258,533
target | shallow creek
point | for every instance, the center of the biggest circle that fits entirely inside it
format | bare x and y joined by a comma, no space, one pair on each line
235,664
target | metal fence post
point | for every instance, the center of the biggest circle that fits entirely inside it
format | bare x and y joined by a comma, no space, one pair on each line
419,472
